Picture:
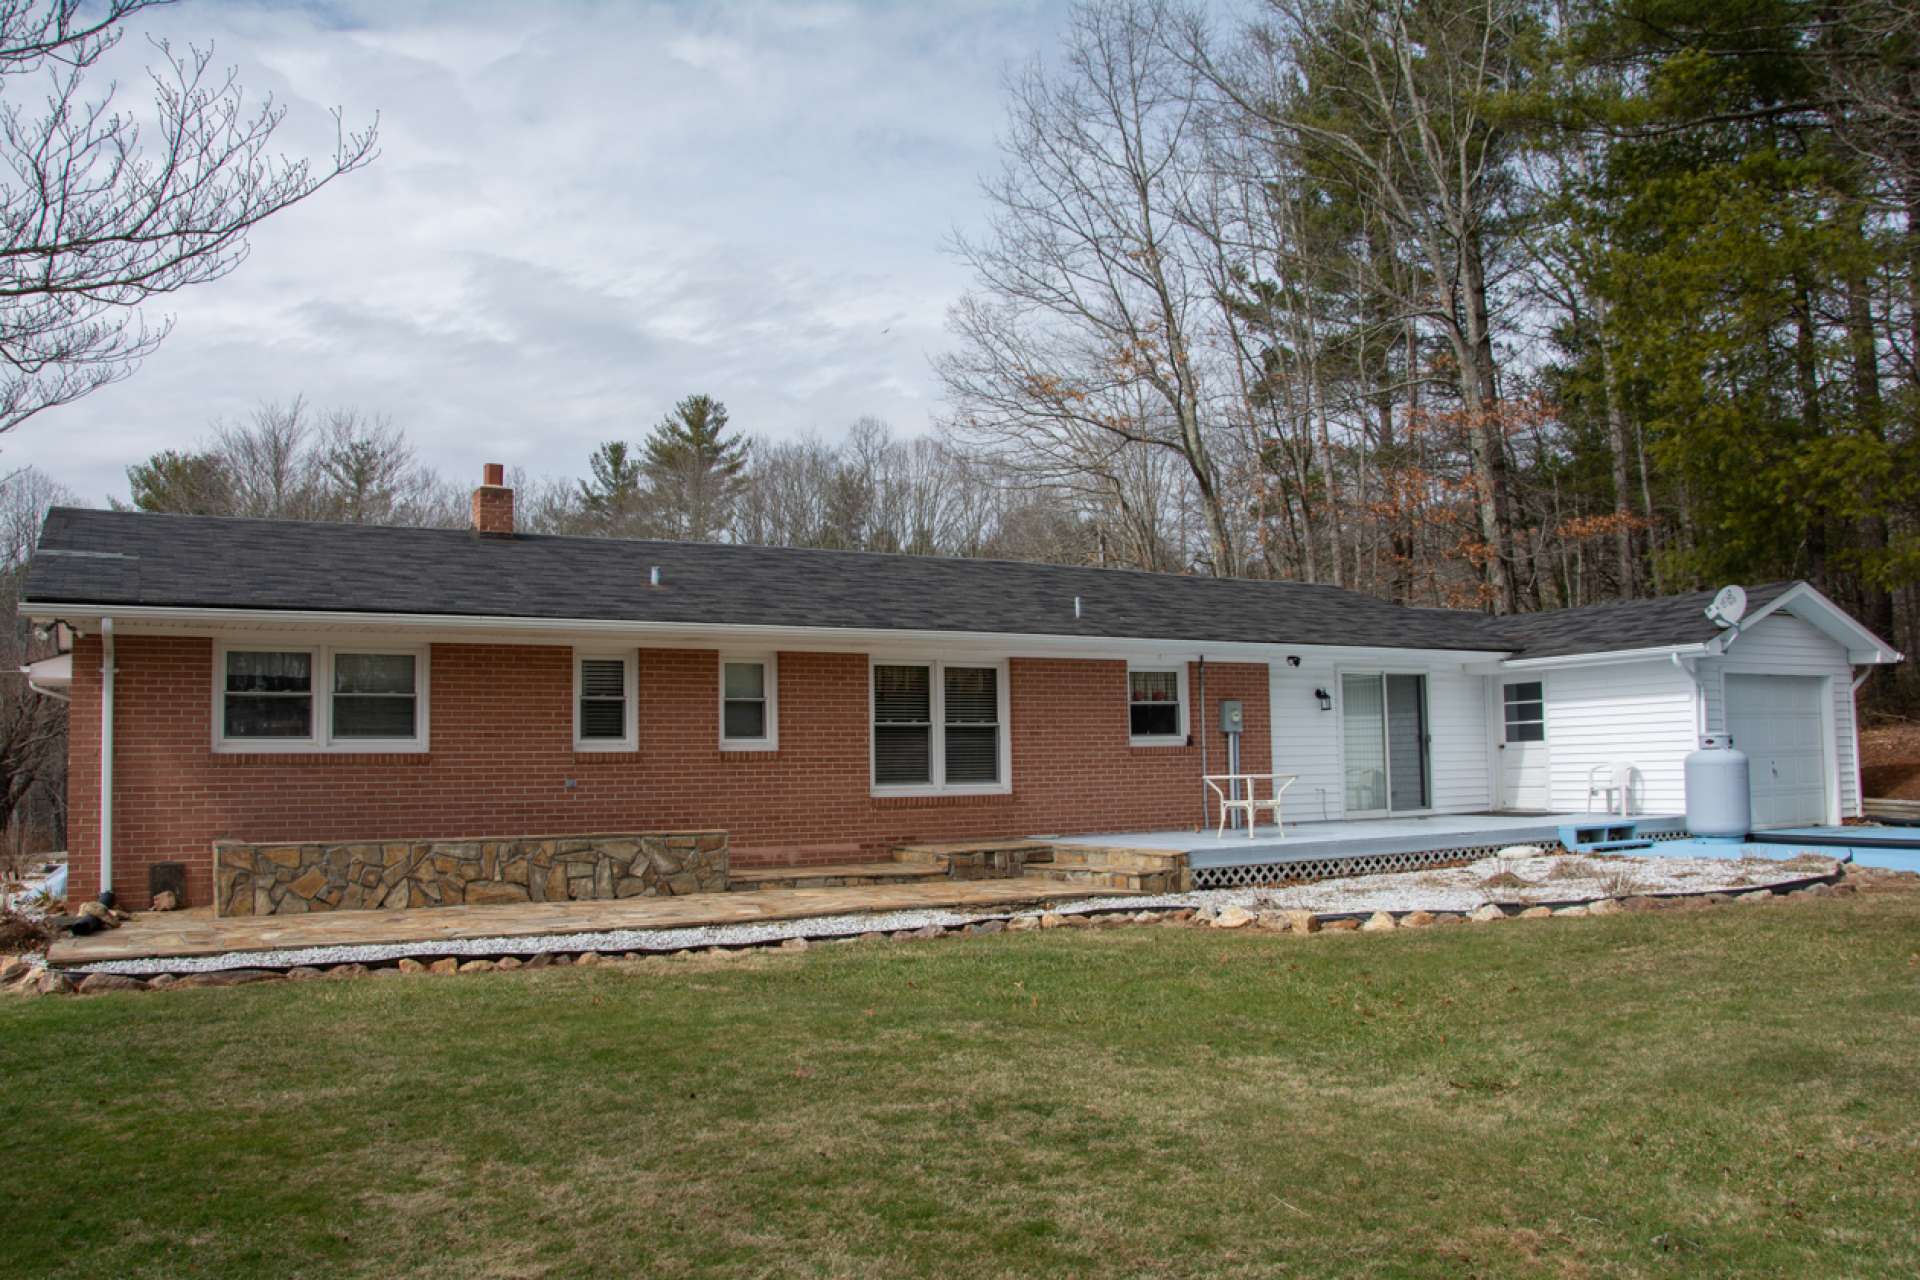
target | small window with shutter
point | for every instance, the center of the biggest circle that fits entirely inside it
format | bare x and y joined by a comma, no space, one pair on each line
604,703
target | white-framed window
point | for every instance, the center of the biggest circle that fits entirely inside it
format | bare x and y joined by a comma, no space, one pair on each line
749,702
605,702
1157,705
291,697
940,727
1526,711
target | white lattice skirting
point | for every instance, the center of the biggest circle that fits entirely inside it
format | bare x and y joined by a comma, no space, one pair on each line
1259,875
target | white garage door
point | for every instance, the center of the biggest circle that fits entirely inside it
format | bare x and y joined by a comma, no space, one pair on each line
1776,721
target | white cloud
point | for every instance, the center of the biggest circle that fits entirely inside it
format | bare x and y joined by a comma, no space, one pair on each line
581,213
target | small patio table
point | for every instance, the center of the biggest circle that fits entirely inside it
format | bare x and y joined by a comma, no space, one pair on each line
1227,787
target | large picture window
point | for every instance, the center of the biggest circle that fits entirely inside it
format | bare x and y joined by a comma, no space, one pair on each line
939,726
286,698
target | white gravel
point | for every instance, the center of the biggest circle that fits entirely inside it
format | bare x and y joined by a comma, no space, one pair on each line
1546,878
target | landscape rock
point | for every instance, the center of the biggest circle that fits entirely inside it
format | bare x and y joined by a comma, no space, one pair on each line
1604,907
95,983
539,961
508,962
409,965
1341,926
991,926
1536,913
304,973
1842,890
1233,917
1639,902
14,969
1021,924
1379,922
1570,911
1813,891
478,966
1758,898
227,978
562,959
161,981
794,944
1449,917
52,982
1417,919
589,958
445,964
1486,913
347,971
1052,920
1301,921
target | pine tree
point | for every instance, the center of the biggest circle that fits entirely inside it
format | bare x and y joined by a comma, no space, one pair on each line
694,469
615,501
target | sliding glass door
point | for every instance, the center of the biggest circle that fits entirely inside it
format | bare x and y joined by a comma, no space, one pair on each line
1384,733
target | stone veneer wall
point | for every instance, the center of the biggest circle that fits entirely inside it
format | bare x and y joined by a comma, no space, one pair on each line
292,879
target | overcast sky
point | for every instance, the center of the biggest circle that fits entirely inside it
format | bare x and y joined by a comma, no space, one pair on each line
580,214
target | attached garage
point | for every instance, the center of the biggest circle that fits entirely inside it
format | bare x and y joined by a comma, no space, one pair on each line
1777,721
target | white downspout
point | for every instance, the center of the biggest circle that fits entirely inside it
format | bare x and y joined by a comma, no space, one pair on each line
106,754
1699,698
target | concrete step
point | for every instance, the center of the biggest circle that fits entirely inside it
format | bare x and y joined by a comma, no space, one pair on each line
1160,880
833,875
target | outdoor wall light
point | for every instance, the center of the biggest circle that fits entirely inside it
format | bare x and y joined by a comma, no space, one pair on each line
1293,659
1326,699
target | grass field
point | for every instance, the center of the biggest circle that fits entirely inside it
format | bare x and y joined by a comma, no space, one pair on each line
1711,1093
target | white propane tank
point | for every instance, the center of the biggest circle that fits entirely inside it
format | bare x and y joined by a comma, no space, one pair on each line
1719,799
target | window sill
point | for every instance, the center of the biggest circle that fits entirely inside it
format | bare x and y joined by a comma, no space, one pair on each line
319,756
1157,743
937,799
748,747
602,755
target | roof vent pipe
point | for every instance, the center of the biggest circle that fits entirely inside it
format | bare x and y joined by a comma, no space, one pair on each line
653,576
1076,606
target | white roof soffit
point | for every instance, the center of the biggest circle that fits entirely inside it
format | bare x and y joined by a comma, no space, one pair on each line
135,619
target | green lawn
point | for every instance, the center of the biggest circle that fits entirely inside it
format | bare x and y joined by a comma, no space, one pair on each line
1728,1091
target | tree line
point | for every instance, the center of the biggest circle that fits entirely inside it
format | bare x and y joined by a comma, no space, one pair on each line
1509,304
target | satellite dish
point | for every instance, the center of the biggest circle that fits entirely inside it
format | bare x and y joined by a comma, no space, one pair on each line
1728,607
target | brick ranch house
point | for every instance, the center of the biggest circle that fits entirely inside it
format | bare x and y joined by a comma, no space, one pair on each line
259,681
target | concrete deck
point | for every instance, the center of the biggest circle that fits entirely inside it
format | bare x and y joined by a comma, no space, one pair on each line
1362,837
153,935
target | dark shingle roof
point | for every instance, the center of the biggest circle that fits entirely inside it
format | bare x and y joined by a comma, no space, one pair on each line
1623,624
106,558
134,558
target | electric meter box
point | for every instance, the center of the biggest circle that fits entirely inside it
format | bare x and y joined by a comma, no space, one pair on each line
1232,717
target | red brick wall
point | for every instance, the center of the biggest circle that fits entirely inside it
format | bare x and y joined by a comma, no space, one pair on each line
502,749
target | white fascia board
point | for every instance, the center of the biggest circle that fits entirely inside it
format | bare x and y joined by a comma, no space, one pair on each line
450,628
1605,658
1811,606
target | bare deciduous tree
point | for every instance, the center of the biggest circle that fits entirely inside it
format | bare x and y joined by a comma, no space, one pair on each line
100,213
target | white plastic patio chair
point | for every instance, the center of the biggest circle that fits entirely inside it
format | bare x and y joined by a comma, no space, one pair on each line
1612,784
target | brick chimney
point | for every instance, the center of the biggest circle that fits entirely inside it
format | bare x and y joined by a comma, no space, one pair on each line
493,503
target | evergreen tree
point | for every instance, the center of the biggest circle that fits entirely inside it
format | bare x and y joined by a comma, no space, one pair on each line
694,469
193,484
614,501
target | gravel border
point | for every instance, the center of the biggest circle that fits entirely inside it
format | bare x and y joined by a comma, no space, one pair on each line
1344,897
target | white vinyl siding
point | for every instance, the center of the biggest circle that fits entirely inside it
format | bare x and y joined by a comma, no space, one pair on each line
1640,713
1307,741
